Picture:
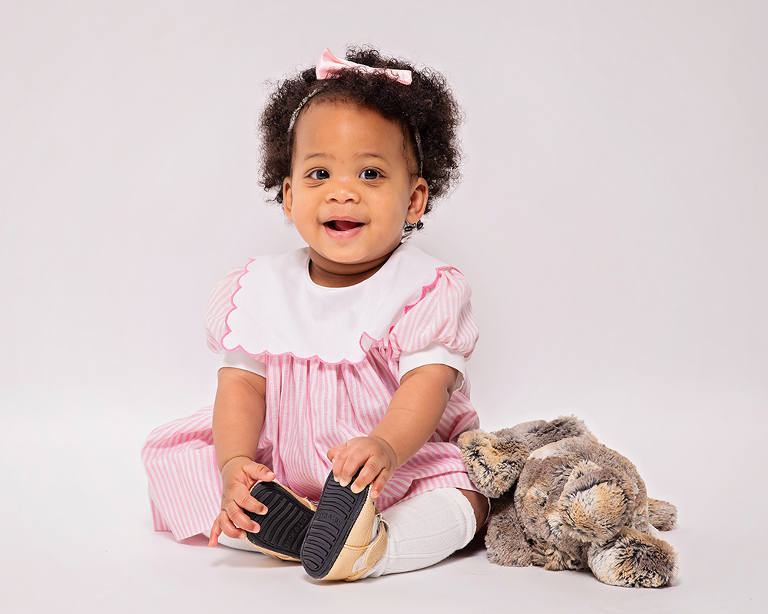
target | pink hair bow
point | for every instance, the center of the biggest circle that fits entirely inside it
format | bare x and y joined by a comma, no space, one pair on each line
329,64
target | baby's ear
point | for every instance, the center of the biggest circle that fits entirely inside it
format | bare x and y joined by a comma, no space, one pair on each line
288,198
418,203
493,464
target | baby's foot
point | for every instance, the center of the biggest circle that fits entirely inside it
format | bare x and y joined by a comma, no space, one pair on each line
346,536
285,524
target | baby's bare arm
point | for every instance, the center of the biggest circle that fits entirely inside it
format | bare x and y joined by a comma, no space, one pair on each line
238,417
412,416
238,414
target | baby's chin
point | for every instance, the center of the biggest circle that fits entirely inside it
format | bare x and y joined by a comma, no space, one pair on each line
348,262
353,256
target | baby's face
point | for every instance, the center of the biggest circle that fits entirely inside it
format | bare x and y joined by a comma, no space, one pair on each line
350,189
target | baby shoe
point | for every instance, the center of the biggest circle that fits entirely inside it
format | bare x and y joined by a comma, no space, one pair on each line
284,525
346,536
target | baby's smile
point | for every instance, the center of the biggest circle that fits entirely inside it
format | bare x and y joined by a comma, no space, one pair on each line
340,229
342,225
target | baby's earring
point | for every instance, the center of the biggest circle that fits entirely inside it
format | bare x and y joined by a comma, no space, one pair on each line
408,228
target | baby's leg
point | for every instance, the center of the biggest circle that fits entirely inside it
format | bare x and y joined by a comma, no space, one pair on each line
480,505
426,529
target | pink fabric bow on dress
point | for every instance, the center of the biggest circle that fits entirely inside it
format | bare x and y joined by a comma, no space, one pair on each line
329,64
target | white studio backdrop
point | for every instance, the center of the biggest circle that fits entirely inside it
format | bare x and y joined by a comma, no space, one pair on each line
612,219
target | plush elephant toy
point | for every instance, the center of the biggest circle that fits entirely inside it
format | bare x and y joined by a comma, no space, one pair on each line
561,500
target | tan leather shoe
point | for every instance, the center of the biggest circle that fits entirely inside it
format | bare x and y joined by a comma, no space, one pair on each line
285,524
340,543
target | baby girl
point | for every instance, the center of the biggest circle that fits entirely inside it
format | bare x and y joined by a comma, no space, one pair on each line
342,381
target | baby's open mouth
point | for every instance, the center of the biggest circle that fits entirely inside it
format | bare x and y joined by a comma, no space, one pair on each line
341,225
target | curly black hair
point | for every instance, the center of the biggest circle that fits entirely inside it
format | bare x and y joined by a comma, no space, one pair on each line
425,107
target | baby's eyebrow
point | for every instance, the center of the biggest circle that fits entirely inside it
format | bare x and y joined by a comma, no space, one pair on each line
318,155
365,154
371,154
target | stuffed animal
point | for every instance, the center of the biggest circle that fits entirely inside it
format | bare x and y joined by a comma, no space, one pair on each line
561,500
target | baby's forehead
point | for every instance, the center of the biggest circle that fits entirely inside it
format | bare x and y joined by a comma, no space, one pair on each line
339,124
346,111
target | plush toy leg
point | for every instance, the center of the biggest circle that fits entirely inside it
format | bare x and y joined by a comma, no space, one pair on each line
493,464
633,559
505,540
661,514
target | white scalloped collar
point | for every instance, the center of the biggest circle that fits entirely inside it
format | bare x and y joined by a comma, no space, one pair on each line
278,309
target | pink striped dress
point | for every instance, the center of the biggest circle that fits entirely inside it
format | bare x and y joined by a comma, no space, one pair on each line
332,358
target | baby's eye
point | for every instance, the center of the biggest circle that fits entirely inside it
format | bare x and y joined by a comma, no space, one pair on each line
320,173
369,173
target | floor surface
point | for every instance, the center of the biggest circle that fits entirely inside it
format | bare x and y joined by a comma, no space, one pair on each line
61,555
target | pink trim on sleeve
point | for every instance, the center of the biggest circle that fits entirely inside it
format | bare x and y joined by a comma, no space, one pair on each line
443,315
428,288
220,305
232,307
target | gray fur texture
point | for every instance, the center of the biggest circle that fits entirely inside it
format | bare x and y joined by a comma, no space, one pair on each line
561,500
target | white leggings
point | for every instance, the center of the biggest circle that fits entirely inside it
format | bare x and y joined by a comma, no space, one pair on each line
421,531
424,530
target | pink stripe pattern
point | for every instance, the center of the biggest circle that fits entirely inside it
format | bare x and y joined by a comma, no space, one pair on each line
313,406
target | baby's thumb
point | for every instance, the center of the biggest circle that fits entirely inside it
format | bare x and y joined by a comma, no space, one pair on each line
259,472
331,454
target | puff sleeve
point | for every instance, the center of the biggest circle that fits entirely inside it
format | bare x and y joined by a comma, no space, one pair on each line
219,306
439,329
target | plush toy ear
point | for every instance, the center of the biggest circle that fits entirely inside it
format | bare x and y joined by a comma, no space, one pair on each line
493,464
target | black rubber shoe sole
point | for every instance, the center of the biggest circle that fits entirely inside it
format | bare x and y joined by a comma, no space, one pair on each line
285,524
336,512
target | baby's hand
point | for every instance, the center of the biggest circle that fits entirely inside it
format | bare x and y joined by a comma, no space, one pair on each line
237,478
374,455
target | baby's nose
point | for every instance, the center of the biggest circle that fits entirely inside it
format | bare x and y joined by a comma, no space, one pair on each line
342,191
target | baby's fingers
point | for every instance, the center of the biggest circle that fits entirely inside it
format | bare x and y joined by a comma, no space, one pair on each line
242,496
334,452
213,538
347,463
226,526
371,473
258,472
379,483
238,517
